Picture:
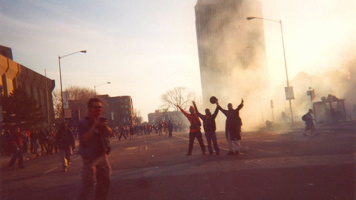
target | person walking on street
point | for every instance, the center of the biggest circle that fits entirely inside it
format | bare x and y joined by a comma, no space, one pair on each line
194,129
34,141
66,144
209,126
309,119
232,127
160,128
170,128
94,134
25,137
122,133
16,148
132,132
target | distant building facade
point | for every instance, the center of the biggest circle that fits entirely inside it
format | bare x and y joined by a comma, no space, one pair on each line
118,110
121,111
229,45
14,75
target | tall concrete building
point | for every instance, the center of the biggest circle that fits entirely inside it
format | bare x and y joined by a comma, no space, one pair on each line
231,49
14,75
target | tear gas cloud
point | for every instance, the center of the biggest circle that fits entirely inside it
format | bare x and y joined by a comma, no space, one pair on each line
246,75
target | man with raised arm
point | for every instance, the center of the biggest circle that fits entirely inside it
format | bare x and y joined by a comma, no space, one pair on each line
209,126
232,127
194,129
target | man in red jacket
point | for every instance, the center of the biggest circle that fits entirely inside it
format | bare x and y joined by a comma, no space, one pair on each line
194,129
16,148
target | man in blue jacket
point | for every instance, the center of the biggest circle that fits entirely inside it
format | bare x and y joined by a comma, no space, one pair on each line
94,148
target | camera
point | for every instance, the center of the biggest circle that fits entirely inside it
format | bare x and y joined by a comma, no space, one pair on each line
103,119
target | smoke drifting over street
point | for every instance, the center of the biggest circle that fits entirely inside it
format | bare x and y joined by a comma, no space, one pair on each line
245,71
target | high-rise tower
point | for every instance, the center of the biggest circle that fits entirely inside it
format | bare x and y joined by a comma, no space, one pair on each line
231,49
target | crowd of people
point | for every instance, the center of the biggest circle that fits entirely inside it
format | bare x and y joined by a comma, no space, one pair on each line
44,142
161,128
38,142
47,141
94,133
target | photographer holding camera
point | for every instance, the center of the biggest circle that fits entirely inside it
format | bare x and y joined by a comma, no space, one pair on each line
94,134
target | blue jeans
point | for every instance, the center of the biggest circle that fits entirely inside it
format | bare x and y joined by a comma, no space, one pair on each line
211,137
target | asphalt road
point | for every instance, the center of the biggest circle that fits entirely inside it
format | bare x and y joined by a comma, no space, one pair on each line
271,166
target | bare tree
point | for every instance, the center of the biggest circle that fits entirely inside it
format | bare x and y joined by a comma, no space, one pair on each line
178,95
77,97
137,117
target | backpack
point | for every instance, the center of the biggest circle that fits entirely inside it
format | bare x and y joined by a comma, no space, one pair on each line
305,117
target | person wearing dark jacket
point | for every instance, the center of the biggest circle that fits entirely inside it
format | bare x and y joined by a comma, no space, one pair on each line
170,128
194,129
209,126
66,144
309,119
232,127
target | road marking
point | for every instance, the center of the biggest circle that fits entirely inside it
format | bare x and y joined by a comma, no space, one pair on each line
181,138
46,172
55,168
132,148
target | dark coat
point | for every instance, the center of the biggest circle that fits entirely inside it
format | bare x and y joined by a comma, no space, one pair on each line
65,139
233,122
209,124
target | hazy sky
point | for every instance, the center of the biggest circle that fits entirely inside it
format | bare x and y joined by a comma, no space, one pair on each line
145,48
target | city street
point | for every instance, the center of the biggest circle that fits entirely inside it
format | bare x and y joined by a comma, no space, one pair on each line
272,165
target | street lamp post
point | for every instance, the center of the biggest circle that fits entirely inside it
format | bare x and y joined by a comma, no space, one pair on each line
285,60
95,86
60,77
